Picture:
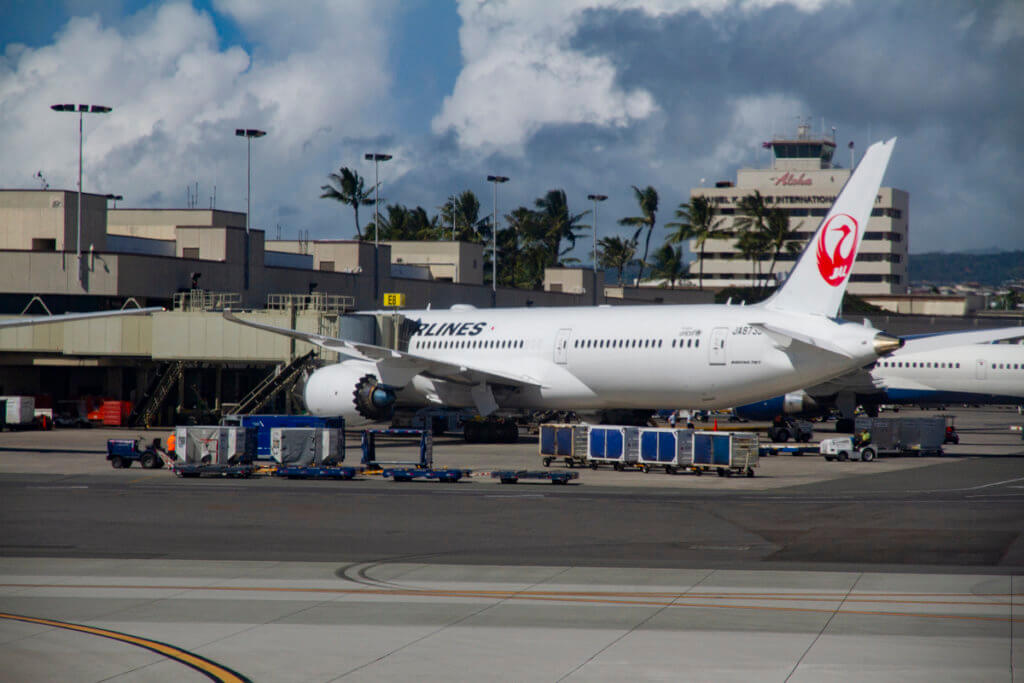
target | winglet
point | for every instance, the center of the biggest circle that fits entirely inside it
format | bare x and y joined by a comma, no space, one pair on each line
818,280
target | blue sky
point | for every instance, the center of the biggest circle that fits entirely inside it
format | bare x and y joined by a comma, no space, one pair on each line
583,95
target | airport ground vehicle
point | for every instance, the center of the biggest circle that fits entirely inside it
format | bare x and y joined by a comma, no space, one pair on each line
123,452
889,436
784,428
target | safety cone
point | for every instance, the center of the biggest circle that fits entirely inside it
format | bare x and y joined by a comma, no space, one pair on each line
716,424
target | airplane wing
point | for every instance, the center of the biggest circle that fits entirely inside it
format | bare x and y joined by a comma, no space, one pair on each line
68,317
396,368
944,340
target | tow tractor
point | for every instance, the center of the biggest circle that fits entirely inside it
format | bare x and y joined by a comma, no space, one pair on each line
123,452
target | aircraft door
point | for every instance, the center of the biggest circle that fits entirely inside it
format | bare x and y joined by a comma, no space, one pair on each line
562,346
980,369
717,350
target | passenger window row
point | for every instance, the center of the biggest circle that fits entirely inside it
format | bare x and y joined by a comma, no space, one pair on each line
919,364
468,344
618,343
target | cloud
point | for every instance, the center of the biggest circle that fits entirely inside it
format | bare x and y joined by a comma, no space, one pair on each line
178,96
522,71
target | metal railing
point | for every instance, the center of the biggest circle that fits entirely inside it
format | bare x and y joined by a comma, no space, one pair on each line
202,300
324,303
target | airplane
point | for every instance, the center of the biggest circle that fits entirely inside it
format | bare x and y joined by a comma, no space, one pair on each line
940,369
69,317
592,358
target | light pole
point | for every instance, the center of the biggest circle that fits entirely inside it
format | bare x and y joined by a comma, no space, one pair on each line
376,158
596,198
248,134
496,179
82,109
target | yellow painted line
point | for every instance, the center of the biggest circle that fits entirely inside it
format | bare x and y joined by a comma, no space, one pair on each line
208,668
609,598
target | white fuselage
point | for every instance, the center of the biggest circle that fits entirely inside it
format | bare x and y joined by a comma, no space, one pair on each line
969,373
630,357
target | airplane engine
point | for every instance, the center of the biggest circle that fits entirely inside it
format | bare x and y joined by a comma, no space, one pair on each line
350,389
793,403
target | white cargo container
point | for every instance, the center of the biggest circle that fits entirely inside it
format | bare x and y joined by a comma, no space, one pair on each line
307,446
19,410
668,448
616,446
214,445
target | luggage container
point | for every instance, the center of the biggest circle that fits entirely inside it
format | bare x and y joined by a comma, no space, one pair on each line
725,452
264,423
214,446
616,446
307,446
567,442
20,411
668,448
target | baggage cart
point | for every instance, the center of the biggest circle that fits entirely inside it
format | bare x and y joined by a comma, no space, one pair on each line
426,447
300,472
671,449
889,436
726,453
410,473
617,446
307,446
513,476
566,442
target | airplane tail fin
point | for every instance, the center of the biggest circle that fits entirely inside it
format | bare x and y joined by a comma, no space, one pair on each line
818,280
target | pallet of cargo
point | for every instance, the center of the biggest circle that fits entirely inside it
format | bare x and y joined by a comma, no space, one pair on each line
513,476
191,471
410,473
326,472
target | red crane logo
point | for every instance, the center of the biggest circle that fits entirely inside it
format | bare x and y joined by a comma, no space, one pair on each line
837,249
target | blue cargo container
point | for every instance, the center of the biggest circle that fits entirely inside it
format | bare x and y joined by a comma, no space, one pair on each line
668,448
264,423
613,445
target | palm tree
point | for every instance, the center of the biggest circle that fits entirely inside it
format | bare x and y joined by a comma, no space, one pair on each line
696,222
348,187
647,198
560,225
753,227
779,236
617,252
464,210
668,264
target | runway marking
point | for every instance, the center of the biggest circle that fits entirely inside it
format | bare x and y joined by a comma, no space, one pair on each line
207,667
652,599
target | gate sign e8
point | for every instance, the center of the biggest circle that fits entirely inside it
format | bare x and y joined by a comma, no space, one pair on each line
396,299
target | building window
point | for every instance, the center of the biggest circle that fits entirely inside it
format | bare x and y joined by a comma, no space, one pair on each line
190,252
44,244
327,266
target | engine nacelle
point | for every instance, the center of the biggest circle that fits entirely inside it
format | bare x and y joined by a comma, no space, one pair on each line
793,403
350,389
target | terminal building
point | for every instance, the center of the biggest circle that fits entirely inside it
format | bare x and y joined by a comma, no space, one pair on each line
196,263
804,181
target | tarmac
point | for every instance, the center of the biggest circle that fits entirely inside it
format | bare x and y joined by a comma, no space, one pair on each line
899,569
